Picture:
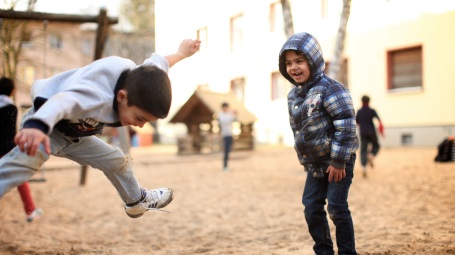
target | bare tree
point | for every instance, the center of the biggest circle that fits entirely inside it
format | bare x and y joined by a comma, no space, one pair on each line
140,14
287,15
12,34
341,35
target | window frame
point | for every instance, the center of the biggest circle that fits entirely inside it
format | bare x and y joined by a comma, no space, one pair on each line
276,17
344,71
238,85
236,32
55,41
202,34
391,66
279,86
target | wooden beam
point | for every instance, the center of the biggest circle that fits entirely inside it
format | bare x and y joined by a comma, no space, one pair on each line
53,17
102,20
101,33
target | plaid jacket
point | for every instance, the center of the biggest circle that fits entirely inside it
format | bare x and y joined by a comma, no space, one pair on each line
321,112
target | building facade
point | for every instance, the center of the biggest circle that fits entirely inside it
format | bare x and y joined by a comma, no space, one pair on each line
396,51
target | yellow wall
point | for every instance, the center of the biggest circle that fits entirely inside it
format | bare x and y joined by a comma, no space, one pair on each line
434,104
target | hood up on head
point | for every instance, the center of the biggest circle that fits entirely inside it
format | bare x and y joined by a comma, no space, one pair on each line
309,46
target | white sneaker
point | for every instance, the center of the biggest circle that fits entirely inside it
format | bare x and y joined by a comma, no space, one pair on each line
34,215
154,199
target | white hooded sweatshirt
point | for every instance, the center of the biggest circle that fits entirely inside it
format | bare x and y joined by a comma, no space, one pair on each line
85,96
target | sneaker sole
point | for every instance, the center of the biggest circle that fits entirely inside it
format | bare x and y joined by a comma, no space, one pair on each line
163,205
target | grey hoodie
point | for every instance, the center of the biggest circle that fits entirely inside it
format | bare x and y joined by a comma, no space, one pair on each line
83,97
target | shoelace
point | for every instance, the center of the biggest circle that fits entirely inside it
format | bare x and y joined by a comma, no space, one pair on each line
158,209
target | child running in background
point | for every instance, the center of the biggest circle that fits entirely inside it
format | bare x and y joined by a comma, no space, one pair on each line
226,118
367,130
8,128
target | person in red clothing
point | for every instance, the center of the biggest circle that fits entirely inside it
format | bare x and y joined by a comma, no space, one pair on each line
364,119
8,119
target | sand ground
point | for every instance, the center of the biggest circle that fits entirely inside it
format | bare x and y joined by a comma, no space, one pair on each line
405,206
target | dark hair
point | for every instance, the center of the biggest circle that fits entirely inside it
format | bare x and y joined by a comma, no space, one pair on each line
6,86
149,89
224,105
365,99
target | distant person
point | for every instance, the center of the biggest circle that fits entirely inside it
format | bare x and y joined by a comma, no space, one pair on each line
364,119
446,150
322,119
226,118
69,109
8,127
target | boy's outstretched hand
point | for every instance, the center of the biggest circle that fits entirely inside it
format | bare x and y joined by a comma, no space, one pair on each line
29,139
186,49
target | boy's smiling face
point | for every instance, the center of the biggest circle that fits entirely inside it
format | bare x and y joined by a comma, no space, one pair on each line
131,115
297,66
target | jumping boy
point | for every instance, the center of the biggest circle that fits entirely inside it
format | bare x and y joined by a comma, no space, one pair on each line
322,118
71,107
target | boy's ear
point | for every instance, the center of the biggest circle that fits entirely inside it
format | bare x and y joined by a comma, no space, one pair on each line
122,95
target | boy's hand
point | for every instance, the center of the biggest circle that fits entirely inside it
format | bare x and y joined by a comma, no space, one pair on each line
186,49
381,129
336,173
29,139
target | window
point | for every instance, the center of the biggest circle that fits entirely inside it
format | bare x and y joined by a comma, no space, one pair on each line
342,73
406,139
87,47
236,32
280,86
238,88
55,41
27,41
331,8
27,74
276,17
404,68
324,9
203,36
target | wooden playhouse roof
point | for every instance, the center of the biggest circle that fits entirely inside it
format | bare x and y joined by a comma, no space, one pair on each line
201,106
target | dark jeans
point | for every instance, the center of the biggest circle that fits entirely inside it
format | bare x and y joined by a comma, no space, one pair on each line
316,191
227,140
364,142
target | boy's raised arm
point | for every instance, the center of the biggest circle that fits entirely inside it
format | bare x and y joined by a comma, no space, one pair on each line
186,49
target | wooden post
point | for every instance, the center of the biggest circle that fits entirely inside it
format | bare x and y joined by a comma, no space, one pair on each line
101,33
83,175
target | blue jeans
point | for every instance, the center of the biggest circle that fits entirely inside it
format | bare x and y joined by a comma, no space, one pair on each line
227,140
315,193
17,167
